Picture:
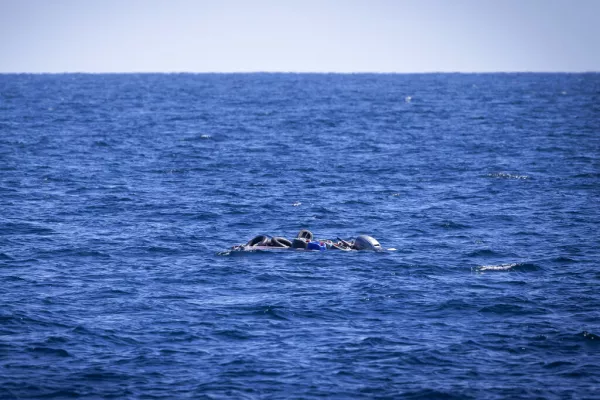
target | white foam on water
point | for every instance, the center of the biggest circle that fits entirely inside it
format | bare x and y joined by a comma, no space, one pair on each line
501,267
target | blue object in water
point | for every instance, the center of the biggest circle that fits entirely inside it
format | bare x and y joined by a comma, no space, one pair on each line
315,246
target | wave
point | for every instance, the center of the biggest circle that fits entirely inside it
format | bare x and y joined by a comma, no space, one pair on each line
23,228
50,351
505,175
516,307
452,225
483,253
73,252
519,267
432,394
559,364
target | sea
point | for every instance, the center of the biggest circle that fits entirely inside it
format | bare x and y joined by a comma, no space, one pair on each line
121,196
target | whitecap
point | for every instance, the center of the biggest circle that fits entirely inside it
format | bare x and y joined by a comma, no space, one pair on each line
508,176
501,267
517,267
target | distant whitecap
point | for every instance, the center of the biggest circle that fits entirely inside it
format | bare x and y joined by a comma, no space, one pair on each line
501,267
519,267
508,176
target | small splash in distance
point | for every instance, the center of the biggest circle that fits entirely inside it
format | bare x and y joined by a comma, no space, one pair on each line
408,99
296,204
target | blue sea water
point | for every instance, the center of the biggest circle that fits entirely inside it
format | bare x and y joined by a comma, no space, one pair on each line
120,194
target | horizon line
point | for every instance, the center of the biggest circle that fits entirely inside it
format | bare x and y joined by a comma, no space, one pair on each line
294,72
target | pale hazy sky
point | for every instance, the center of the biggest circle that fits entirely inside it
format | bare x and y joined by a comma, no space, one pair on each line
299,35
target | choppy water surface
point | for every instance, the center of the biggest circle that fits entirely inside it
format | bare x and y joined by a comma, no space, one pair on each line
119,194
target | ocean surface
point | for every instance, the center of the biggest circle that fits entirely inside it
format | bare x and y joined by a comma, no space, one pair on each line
120,195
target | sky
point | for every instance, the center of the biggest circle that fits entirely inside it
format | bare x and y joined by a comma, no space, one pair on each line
401,36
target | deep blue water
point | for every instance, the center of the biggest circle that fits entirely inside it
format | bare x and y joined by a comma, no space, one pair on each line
120,193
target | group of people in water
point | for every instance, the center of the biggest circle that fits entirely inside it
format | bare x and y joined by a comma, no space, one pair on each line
305,241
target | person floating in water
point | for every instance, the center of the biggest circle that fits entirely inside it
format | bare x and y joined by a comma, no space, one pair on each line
305,240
